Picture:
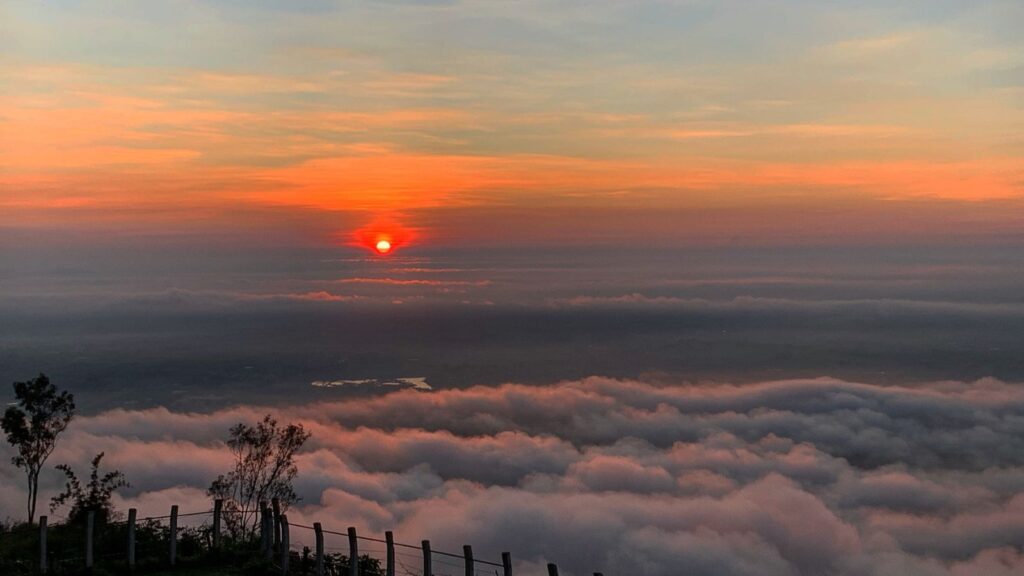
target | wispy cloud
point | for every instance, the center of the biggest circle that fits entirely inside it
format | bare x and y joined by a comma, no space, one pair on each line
881,104
413,282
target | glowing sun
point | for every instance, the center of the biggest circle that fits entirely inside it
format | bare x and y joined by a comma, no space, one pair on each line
383,246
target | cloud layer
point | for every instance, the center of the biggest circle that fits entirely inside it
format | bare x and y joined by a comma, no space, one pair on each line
793,477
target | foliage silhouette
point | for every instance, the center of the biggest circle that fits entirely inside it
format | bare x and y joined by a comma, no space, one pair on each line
264,469
94,496
32,426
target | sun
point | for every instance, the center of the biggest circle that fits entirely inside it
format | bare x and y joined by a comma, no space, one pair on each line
384,236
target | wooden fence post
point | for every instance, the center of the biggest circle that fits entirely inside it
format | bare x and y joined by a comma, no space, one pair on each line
218,507
353,552
552,569
389,542
467,555
506,563
42,545
427,568
174,534
132,515
265,528
275,505
286,550
90,519
318,530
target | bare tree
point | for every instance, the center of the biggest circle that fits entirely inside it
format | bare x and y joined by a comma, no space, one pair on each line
32,425
264,469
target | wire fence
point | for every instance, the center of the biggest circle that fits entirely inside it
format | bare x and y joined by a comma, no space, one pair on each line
385,557
94,540
249,536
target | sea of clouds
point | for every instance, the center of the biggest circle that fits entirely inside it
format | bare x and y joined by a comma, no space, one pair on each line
796,477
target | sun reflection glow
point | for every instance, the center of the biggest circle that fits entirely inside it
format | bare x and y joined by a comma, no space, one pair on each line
384,234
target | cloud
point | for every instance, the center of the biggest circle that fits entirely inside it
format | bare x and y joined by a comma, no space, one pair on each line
760,304
817,476
413,282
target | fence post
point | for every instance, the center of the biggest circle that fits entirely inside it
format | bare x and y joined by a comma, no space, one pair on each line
467,555
275,505
506,563
42,544
286,547
90,519
389,541
353,552
132,514
218,507
552,569
265,528
174,534
318,530
427,568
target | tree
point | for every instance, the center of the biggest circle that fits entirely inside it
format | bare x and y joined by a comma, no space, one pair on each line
32,425
94,496
264,469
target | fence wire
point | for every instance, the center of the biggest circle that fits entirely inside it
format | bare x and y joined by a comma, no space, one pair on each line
373,556
66,549
66,543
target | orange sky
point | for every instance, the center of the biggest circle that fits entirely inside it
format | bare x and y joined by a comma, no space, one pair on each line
861,116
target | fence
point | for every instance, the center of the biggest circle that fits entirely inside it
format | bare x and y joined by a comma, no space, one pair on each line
155,540
291,549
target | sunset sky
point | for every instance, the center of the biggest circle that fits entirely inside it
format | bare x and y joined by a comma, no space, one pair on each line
702,287
513,123
726,190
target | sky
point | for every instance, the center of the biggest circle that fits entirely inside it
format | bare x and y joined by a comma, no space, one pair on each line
708,190
723,288
512,123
